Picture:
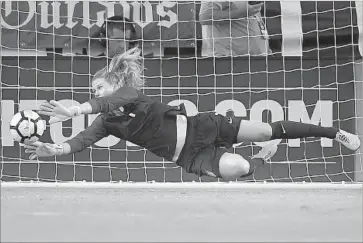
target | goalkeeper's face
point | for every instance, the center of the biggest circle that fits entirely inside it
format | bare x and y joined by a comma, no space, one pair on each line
101,87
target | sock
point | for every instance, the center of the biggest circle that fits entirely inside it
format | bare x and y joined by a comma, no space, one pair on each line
291,130
255,164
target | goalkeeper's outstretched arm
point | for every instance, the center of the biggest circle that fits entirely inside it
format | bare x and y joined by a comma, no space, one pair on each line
84,139
105,104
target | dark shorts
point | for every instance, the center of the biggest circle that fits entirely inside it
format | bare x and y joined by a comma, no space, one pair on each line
208,137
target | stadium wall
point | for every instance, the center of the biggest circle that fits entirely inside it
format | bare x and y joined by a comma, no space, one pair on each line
290,88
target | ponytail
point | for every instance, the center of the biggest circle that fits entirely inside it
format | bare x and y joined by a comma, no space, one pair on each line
125,69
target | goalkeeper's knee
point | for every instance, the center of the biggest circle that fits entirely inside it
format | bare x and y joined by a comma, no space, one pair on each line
233,166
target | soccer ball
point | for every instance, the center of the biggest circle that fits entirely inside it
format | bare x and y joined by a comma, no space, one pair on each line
27,126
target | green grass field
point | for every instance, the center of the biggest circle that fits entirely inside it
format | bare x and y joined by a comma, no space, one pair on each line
116,214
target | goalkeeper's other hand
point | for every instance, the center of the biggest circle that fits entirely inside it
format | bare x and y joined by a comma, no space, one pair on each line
39,149
58,112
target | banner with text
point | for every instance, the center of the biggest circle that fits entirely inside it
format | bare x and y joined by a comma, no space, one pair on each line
326,28
61,24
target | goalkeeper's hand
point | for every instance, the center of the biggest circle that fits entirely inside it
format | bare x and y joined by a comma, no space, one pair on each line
58,112
39,149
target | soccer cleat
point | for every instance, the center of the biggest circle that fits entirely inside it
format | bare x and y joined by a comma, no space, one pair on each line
267,152
349,140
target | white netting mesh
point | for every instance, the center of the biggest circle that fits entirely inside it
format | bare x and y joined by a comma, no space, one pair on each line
322,87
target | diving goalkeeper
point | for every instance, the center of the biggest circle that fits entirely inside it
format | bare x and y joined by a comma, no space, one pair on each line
196,143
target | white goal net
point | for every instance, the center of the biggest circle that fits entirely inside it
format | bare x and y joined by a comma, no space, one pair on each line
314,76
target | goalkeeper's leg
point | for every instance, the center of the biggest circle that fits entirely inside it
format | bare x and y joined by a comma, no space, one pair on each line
254,131
219,162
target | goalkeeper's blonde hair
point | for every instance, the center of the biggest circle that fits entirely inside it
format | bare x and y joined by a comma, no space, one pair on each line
125,69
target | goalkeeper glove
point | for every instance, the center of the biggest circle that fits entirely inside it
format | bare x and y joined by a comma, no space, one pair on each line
39,149
59,112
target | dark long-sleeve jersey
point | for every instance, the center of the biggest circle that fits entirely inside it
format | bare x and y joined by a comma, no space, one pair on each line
130,115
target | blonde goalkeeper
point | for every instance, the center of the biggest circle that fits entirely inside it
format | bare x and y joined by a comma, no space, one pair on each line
196,143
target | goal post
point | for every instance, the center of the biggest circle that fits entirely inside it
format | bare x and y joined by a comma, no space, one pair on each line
358,71
358,78
322,86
